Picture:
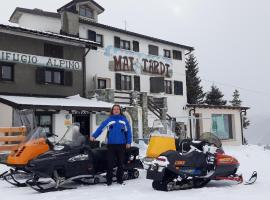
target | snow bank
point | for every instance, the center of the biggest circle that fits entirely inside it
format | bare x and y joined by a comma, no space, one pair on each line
250,157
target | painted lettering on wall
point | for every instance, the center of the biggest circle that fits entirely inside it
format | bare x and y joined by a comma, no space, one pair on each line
140,63
40,61
124,63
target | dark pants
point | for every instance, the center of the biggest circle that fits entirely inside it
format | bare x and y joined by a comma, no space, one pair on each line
116,152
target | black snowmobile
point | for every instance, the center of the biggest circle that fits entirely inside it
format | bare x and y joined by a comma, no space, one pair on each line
193,165
73,160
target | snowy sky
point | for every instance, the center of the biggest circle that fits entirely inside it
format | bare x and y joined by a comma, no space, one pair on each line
231,38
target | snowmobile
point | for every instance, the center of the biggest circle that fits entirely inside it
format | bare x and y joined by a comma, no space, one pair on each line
73,160
193,165
35,144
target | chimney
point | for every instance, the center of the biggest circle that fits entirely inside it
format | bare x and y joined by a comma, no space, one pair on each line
69,23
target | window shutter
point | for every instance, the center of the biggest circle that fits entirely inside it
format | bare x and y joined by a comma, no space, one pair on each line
177,55
117,42
153,50
92,35
137,83
118,81
178,87
68,78
156,84
136,46
40,76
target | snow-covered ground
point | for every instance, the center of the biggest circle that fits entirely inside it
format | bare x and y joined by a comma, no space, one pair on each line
250,157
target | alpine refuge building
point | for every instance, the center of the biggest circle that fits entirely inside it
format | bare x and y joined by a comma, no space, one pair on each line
143,73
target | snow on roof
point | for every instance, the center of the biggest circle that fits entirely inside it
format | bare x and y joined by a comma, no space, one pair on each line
73,102
47,33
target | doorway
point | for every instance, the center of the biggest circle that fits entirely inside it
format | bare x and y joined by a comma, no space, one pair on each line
84,121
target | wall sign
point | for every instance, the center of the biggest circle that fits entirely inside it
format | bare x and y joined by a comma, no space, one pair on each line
40,61
140,63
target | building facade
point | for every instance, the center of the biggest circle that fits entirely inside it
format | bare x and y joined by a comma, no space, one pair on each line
145,74
40,64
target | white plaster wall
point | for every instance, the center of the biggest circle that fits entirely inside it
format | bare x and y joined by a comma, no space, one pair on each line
207,123
5,115
40,23
59,127
97,64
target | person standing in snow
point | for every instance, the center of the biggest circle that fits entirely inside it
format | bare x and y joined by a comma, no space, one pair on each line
119,138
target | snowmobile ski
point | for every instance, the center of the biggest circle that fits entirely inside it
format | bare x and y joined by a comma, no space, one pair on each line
3,174
14,176
252,179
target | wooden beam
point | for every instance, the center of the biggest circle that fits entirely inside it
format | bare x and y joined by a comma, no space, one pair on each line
12,138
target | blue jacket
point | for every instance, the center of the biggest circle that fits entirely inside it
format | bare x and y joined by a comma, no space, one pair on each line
119,131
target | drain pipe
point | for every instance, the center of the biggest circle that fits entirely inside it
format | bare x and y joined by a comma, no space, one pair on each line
190,123
84,70
242,113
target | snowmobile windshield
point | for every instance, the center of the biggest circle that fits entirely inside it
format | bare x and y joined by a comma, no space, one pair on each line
35,134
211,138
73,137
162,127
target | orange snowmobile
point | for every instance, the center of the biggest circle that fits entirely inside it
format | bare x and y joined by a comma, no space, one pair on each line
35,144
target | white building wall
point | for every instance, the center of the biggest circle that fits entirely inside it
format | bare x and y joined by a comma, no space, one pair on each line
206,115
40,23
6,115
97,64
61,122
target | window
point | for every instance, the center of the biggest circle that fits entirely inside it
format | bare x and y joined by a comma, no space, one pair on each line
102,83
167,53
177,55
54,51
136,46
54,77
92,35
178,87
44,120
222,126
137,83
156,84
168,87
6,72
99,39
86,12
124,44
153,50
123,82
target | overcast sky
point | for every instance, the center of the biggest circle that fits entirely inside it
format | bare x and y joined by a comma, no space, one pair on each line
231,38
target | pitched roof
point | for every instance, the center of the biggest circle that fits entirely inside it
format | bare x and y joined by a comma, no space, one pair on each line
74,2
15,15
84,21
69,103
48,34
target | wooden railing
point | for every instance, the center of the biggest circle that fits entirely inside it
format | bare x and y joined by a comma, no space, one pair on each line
125,97
10,137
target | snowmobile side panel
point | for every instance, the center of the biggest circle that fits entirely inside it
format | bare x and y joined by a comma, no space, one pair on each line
27,152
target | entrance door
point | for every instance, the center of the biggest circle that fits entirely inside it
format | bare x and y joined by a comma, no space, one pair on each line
84,121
